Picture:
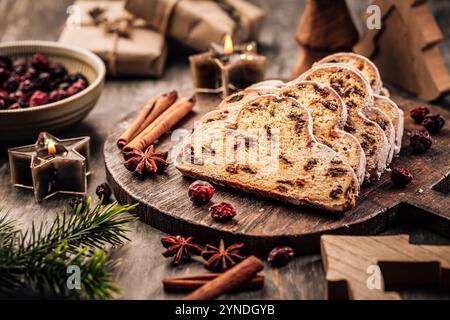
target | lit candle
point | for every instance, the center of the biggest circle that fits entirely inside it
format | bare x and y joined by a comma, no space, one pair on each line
51,147
227,67
228,45
51,166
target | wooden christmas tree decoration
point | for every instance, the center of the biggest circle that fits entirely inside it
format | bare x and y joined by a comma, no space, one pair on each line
405,49
325,27
363,267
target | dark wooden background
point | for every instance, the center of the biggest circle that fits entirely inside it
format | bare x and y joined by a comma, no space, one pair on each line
143,267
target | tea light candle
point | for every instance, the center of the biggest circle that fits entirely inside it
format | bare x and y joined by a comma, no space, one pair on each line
226,68
51,166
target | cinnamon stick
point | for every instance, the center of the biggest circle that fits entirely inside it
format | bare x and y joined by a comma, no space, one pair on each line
162,124
152,109
190,283
229,280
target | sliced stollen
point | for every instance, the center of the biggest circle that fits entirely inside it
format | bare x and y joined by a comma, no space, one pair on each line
364,65
385,92
354,89
370,71
255,90
396,114
228,109
290,165
268,84
230,106
383,120
329,115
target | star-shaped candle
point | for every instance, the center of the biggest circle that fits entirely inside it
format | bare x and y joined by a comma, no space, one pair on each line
51,166
227,68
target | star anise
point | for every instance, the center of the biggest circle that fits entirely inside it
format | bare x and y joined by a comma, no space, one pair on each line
181,248
221,258
149,161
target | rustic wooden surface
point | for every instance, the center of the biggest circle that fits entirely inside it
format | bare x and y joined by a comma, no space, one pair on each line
143,267
262,223
347,261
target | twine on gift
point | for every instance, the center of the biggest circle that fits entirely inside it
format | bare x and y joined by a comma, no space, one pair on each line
230,10
120,28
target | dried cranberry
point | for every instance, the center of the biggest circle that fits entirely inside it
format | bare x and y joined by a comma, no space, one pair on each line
57,70
5,62
38,98
222,212
39,61
4,95
420,141
4,75
200,192
18,96
72,90
30,74
14,106
44,81
23,104
419,113
12,84
28,86
72,78
75,202
64,85
2,104
21,99
401,177
78,86
57,94
433,122
103,190
80,76
20,66
280,256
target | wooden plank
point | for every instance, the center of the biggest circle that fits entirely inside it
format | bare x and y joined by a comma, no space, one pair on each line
143,267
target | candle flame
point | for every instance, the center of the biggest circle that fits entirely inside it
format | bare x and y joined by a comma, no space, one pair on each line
51,147
228,45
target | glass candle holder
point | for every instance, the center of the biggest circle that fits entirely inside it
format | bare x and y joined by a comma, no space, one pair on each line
51,166
224,69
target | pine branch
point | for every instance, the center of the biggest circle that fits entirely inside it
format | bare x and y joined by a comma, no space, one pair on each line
95,277
38,258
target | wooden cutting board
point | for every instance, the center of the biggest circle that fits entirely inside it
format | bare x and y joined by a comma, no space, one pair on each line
263,223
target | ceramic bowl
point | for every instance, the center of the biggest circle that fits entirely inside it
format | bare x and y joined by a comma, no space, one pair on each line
25,124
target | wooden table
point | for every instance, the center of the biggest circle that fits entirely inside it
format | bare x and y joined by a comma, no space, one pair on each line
143,266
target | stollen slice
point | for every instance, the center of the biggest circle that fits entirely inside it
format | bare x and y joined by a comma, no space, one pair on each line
385,92
364,65
255,90
383,120
354,89
396,114
270,150
229,107
370,71
329,115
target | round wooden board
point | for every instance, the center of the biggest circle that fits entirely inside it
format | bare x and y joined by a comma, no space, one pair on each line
264,223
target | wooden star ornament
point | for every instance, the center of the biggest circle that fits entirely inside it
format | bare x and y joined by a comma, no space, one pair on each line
369,268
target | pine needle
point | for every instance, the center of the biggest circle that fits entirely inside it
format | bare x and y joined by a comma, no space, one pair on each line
37,259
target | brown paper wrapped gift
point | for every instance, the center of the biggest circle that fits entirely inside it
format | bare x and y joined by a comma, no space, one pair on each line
198,23
139,51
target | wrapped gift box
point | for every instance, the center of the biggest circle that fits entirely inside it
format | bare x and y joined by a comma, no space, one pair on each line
198,23
142,52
